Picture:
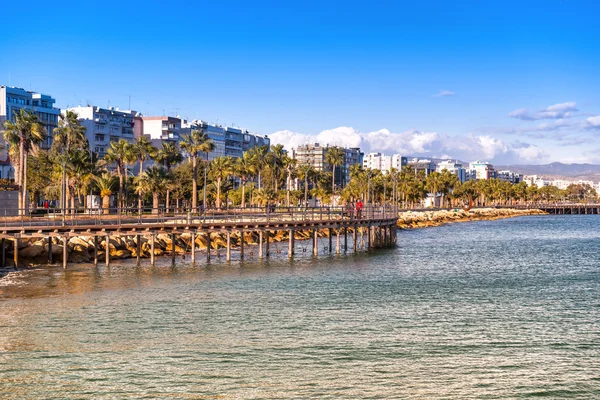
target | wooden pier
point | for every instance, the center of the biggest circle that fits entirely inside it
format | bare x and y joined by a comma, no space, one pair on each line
376,227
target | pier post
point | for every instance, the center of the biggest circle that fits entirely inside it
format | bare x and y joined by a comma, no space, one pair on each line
345,240
207,246
330,240
65,255
241,245
16,250
49,249
193,245
95,251
152,249
3,253
138,249
355,238
260,245
315,243
173,248
337,242
107,250
267,247
291,244
369,237
228,254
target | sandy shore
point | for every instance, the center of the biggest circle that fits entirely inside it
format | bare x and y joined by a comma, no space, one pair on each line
424,219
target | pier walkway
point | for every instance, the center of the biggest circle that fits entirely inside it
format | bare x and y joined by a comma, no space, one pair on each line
377,222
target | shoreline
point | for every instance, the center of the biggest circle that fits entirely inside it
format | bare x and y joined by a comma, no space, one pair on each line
427,219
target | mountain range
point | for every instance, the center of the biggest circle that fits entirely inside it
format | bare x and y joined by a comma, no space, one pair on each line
557,170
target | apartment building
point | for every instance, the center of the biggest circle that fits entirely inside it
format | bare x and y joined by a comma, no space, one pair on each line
509,176
13,99
384,163
454,167
482,170
105,125
315,155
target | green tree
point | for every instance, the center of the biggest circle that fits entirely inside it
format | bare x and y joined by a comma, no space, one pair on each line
220,169
335,157
23,137
244,168
154,180
105,183
143,151
193,144
168,155
120,153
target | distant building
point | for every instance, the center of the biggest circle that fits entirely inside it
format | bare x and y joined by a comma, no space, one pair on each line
427,166
315,155
6,170
13,99
105,125
509,176
162,128
534,180
454,167
228,141
483,170
384,163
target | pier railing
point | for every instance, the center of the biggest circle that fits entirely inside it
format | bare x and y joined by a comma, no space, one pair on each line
162,216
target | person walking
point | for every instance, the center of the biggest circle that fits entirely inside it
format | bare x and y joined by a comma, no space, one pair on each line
359,207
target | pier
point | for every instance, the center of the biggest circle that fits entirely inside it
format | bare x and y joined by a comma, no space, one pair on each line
373,228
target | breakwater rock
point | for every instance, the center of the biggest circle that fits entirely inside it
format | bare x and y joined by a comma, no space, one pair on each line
424,219
80,249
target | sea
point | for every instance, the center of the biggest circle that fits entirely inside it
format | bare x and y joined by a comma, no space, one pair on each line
504,309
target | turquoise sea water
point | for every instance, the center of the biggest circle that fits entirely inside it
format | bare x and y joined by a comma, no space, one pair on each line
488,310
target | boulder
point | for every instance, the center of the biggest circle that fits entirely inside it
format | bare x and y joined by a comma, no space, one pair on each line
32,251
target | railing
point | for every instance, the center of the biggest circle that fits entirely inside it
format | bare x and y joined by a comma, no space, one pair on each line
165,217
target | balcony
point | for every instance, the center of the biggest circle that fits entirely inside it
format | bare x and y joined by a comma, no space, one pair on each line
100,120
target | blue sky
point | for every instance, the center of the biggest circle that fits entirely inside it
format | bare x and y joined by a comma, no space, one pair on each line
502,81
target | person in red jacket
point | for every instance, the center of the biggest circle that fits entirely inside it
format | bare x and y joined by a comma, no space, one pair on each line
359,207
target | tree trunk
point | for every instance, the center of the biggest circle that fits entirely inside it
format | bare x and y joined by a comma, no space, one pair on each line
140,197
305,192
166,201
243,193
287,187
25,199
106,204
154,203
120,201
194,183
259,179
218,193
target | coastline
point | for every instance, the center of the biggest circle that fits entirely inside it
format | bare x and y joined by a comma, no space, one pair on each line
426,219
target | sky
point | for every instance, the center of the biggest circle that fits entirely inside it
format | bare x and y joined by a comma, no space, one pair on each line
509,82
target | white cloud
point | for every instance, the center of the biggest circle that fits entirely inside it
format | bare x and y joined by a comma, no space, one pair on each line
555,111
444,93
416,143
593,122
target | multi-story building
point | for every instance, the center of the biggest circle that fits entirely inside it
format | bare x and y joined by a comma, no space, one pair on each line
510,176
384,163
105,125
454,167
162,128
483,170
315,155
13,99
427,166
534,180
228,141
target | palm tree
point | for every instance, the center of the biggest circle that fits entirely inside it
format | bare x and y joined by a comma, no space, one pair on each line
335,156
193,144
275,160
69,136
120,153
106,183
23,136
153,180
243,169
290,165
258,155
265,196
168,156
143,150
305,172
433,184
220,169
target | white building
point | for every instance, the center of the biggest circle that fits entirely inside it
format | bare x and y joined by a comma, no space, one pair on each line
384,163
483,170
13,99
510,176
454,167
105,125
162,128
534,180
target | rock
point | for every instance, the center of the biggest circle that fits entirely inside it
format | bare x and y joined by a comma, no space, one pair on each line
32,251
